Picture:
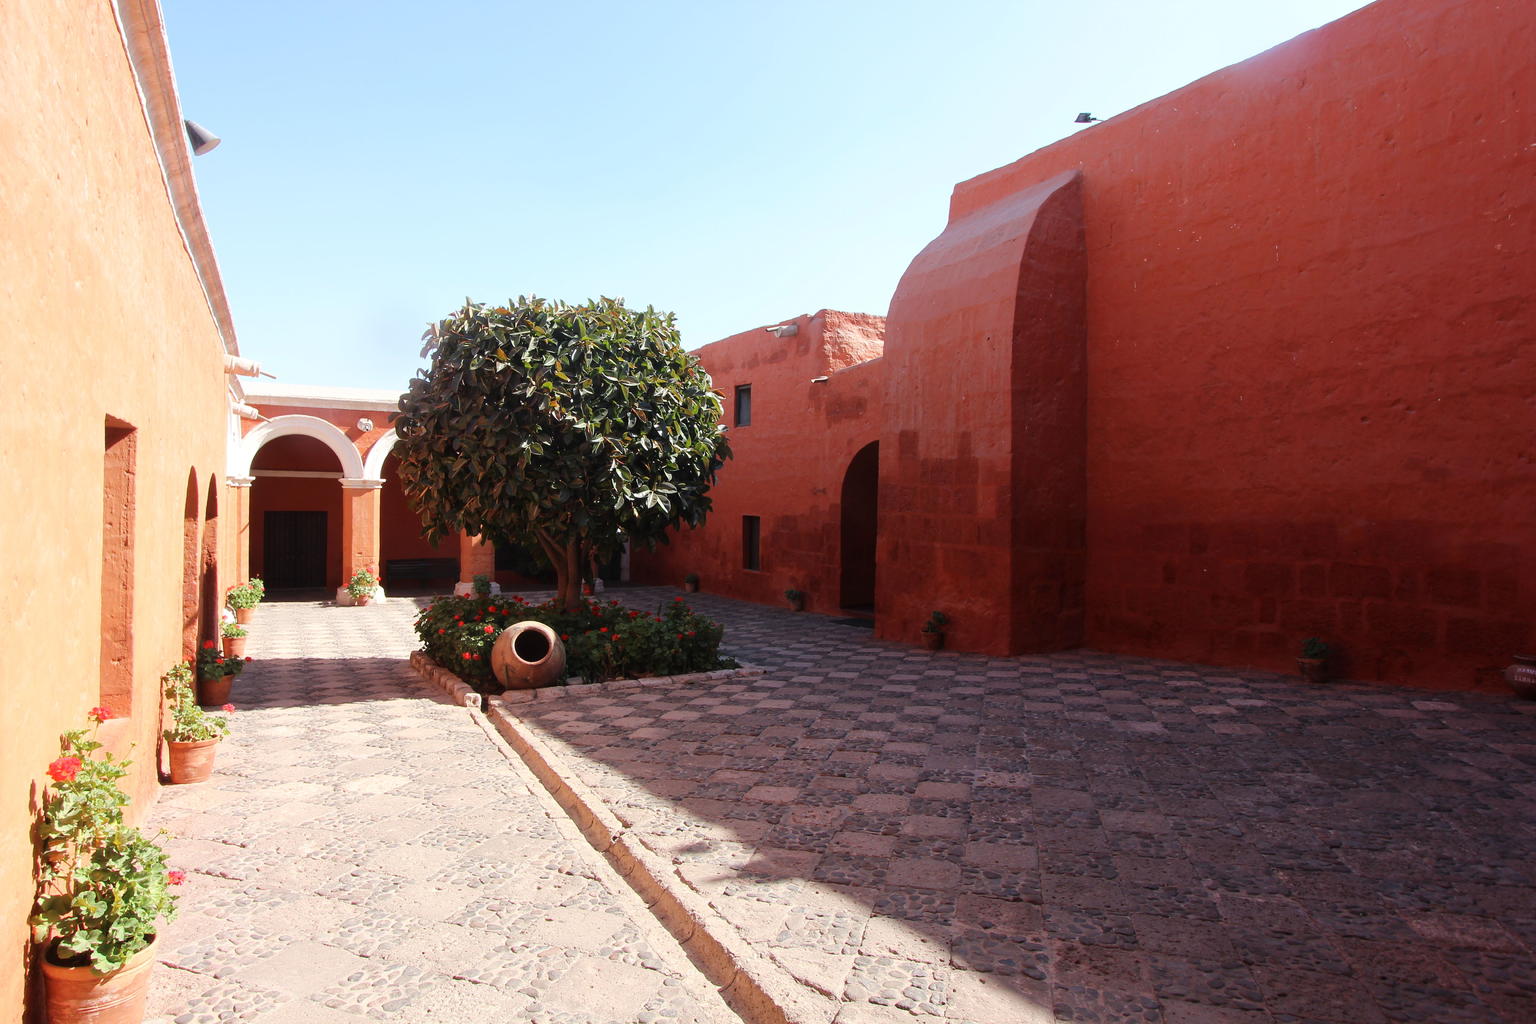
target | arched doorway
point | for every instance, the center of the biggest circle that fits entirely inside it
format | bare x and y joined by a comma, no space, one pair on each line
860,524
296,514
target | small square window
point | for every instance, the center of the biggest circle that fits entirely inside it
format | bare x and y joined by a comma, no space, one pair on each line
751,543
743,405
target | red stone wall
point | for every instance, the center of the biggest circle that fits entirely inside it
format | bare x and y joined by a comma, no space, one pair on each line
1310,337
789,463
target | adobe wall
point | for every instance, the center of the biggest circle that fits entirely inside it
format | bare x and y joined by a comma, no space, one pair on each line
104,317
788,465
1310,349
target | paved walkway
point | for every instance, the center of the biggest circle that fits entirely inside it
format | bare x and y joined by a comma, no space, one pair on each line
365,849
902,837
943,837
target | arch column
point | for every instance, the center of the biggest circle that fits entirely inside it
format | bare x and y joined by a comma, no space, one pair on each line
240,516
476,556
359,532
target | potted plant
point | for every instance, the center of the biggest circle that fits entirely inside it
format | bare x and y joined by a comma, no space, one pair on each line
1313,663
216,674
691,582
103,886
362,586
933,631
796,599
244,597
193,735
234,636
482,585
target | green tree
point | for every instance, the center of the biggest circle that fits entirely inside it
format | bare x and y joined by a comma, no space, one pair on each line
566,426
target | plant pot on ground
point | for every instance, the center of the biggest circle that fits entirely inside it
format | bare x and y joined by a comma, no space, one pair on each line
933,631
103,887
234,636
215,674
193,736
691,583
362,586
796,599
1313,661
244,597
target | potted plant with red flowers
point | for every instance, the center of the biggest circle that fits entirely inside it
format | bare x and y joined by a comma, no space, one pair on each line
103,888
193,736
244,597
363,586
215,674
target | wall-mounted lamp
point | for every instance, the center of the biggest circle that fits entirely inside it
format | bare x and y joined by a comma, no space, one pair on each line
820,380
365,424
201,138
1086,118
783,330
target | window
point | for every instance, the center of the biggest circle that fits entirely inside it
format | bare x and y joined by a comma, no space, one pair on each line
751,538
743,405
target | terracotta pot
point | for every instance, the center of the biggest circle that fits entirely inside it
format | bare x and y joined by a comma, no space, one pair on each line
692,588
244,615
1313,670
933,641
526,655
361,601
79,995
1521,676
191,761
214,692
234,646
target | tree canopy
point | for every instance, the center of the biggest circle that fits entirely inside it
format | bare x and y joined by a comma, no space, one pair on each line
569,427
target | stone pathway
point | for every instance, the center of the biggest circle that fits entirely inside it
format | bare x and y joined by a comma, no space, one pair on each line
367,850
912,838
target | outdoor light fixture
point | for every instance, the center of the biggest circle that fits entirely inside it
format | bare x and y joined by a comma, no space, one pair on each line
1086,118
783,330
201,138
820,380
365,424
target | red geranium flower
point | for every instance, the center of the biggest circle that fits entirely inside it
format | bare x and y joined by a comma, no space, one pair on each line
247,657
98,714
209,645
227,708
64,769
490,629
466,655
603,629
175,877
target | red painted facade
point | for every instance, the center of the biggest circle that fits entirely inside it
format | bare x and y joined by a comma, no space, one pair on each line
1247,364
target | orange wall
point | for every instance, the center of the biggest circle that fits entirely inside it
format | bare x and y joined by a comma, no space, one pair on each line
788,465
96,290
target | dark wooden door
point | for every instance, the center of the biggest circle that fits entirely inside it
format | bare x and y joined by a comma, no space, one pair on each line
294,549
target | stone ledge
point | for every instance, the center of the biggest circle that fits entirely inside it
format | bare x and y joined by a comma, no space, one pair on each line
464,694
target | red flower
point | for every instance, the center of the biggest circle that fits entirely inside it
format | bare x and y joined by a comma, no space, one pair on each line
247,657
604,629
209,645
466,655
175,877
565,636
441,632
98,714
690,632
679,636
490,629
64,769
227,708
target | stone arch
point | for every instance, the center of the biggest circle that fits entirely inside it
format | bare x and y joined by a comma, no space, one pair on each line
323,431
373,467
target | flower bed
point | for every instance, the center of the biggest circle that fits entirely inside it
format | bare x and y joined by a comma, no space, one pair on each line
602,641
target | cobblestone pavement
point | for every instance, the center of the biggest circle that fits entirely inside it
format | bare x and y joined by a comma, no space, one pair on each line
366,850
920,837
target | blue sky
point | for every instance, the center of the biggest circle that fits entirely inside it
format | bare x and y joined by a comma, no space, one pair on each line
736,164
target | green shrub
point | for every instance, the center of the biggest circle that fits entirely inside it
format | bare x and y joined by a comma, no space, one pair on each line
602,641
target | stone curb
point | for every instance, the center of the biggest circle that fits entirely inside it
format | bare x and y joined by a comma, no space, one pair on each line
462,693
754,986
